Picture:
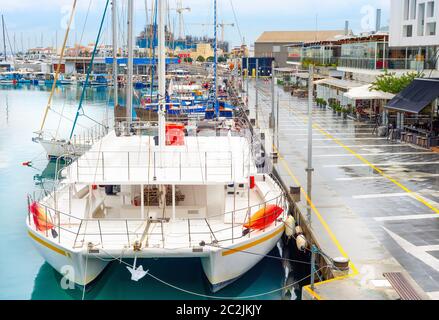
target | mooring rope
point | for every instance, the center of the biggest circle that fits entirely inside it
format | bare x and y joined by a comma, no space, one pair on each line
217,297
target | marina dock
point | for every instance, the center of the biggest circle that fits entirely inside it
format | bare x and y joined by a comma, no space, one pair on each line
373,201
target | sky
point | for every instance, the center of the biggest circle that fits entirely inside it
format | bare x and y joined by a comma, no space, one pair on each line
35,22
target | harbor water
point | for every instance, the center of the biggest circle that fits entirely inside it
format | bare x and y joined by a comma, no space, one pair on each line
24,274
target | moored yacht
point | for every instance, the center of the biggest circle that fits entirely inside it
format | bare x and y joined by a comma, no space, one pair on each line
200,196
151,190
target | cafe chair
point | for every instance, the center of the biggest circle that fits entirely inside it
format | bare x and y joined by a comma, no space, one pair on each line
409,138
403,134
424,142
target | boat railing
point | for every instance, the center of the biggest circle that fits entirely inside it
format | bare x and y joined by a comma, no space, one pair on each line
108,166
86,138
91,135
80,233
126,126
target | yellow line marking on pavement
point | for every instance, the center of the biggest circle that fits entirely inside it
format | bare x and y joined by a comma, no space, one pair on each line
325,226
316,211
381,172
313,293
319,216
364,160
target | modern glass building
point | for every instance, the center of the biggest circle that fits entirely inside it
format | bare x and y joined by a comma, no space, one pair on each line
378,55
320,54
372,52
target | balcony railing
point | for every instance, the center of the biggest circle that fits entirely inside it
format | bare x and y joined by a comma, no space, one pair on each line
380,64
319,61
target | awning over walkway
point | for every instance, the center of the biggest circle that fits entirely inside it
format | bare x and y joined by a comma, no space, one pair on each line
286,70
341,84
418,95
364,93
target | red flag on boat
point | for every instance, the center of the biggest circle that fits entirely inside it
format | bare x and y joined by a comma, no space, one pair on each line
42,221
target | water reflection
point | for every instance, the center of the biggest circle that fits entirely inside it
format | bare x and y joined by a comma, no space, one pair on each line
72,93
115,282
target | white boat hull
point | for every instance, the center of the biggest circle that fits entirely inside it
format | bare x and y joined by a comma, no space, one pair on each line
73,265
225,266
56,148
221,266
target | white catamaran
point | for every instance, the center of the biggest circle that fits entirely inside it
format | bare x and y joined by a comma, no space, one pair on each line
148,190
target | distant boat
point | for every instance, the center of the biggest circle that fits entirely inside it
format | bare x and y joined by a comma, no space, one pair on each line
96,80
76,145
67,80
10,78
44,79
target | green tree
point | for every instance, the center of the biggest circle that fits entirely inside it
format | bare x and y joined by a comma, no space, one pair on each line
391,83
201,59
222,59
210,59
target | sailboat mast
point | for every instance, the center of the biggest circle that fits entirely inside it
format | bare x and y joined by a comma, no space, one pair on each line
89,70
115,49
58,69
215,64
130,62
4,38
162,72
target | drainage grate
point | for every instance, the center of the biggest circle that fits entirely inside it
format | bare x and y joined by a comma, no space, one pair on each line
402,286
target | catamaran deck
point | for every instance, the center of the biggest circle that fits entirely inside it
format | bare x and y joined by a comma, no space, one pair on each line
207,179
137,160
113,223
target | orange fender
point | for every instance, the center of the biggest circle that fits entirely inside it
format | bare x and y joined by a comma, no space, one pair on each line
264,217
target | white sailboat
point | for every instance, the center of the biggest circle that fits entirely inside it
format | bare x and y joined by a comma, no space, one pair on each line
74,146
162,195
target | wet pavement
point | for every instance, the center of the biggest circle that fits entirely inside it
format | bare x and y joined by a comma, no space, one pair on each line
376,200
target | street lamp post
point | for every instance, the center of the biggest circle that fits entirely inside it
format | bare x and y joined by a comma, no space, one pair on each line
273,98
257,91
310,168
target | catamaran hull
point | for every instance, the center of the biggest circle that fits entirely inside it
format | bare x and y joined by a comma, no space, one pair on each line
74,266
226,266
221,266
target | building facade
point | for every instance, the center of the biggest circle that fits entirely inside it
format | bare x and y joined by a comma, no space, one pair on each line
274,44
413,27
414,23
